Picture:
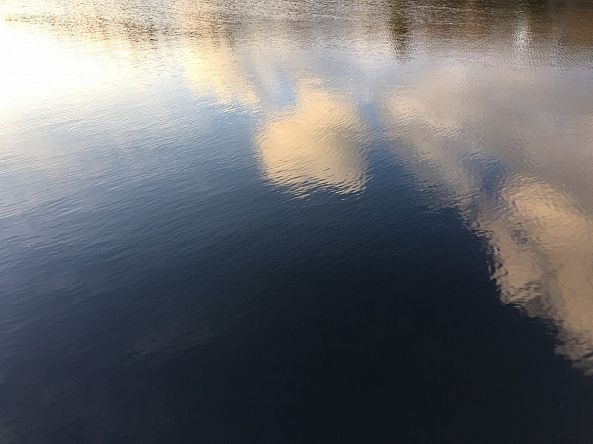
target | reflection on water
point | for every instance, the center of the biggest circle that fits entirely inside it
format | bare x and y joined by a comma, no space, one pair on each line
213,69
520,173
543,248
39,67
154,156
317,144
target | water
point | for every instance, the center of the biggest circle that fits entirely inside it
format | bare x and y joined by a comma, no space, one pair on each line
295,221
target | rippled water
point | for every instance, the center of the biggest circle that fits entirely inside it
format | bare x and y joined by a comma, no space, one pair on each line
296,221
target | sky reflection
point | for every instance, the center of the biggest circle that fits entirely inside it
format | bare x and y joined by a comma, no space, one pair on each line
457,96
118,118
317,144
509,160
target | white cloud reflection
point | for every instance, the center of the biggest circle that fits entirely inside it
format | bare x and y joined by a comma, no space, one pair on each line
500,149
464,105
318,143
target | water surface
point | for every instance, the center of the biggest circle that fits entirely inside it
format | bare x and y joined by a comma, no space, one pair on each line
296,221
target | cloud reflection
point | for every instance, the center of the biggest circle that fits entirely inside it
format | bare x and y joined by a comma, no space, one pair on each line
453,82
475,130
318,143
543,248
212,69
491,142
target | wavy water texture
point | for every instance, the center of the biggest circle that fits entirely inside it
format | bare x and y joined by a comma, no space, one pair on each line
214,191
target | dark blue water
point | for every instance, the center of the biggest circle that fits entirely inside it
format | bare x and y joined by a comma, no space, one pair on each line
262,222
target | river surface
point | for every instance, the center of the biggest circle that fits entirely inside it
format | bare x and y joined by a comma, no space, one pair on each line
296,221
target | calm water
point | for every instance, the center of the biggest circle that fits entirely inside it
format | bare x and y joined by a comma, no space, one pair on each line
263,221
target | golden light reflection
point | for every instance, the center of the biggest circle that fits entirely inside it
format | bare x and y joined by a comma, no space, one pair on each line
540,235
316,143
212,68
543,247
